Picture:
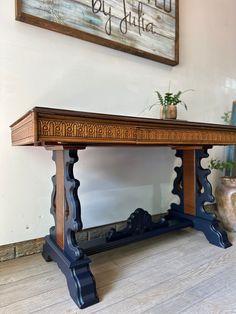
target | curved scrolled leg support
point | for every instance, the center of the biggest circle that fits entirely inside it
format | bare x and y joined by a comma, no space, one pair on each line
52,231
203,188
60,246
73,222
207,222
194,194
178,184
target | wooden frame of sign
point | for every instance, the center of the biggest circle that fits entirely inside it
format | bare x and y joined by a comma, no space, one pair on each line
147,28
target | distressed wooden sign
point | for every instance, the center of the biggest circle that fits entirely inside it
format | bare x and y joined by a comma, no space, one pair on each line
147,28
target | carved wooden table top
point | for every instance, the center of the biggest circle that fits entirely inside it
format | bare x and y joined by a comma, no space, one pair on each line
47,126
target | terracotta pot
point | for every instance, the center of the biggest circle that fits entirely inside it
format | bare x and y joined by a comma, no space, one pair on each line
169,112
225,194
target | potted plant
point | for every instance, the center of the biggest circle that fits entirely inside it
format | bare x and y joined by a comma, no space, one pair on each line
225,194
168,103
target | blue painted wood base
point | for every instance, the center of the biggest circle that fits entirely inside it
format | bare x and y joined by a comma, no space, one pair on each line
72,260
81,283
80,280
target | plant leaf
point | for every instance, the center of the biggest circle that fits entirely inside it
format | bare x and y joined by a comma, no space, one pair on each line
160,98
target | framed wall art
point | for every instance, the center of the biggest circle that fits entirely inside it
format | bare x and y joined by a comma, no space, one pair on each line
146,28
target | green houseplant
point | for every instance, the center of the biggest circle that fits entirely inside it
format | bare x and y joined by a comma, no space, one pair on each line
168,103
216,164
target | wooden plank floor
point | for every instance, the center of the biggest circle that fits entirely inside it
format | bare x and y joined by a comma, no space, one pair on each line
174,273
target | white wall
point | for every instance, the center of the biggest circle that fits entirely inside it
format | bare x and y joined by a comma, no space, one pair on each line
43,68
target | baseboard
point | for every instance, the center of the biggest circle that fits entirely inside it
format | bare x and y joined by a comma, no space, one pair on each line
29,247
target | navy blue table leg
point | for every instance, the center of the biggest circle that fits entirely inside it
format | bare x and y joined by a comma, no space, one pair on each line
193,189
60,246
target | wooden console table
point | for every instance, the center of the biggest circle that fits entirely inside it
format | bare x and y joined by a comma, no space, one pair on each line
65,132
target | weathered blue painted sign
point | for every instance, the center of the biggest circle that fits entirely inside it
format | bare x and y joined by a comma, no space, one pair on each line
147,28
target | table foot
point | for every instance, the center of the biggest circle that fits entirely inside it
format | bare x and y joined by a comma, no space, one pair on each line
80,281
213,232
210,227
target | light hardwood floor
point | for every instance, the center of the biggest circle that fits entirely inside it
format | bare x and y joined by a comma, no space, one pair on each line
176,273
